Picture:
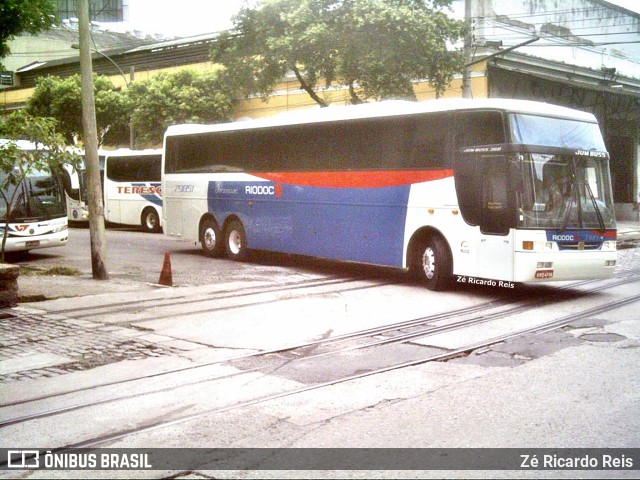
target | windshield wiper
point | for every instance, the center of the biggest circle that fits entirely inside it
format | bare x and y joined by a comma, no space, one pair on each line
567,213
595,205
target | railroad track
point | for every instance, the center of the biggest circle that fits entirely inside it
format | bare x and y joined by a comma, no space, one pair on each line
365,339
393,332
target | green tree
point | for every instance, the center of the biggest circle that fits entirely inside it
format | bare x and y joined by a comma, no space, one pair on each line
61,99
392,43
375,48
17,16
15,163
171,98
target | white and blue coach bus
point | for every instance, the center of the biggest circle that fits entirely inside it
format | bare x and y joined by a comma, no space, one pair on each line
495,189
132,187
33,212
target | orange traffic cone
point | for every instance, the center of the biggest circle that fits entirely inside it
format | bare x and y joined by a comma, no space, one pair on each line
165,274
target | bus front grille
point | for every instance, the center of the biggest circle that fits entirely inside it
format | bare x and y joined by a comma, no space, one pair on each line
579,245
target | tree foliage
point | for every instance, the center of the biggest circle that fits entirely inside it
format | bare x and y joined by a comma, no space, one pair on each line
375,48
61,98
17,16
150,105
50,153
166,99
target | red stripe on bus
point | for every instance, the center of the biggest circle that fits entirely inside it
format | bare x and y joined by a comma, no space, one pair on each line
358,179
606,234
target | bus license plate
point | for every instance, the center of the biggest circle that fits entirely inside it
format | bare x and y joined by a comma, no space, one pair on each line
33,243
544,274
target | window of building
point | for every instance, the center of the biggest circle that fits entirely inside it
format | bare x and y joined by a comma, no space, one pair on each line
99,10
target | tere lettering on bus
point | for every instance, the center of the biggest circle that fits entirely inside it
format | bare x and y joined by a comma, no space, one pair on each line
143,190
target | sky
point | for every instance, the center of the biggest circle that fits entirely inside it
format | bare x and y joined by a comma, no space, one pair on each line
633,5
194,17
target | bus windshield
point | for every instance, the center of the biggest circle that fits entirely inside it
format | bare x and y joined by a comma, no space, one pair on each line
38,197
566,191
555,132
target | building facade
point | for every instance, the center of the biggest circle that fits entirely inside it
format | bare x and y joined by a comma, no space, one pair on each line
583,54
99,10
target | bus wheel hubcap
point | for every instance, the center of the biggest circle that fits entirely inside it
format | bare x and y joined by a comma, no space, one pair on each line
235,242
429,263
210,239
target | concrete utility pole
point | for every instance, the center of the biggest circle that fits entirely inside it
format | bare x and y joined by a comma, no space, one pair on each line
468,54
90,135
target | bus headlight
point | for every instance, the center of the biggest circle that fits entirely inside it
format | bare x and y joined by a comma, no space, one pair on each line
61,228
609,245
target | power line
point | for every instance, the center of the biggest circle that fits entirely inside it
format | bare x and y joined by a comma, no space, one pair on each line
518,34
505,19
552,13
573,29
570,36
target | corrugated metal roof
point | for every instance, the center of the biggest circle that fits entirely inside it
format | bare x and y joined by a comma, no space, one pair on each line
172,53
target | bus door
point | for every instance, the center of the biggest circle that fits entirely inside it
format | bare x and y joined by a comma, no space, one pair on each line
112,198
483,196
495,248
481,176
112,206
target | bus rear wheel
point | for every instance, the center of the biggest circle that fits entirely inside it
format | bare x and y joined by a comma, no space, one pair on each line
236,242
211,238
432,263
151,221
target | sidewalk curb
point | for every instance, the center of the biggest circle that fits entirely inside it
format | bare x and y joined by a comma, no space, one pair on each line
8,285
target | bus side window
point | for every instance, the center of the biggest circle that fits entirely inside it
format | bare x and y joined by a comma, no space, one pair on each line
429,149
468,188
479,128
473,129
148,168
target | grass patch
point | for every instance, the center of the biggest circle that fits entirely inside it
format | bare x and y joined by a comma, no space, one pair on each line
50,271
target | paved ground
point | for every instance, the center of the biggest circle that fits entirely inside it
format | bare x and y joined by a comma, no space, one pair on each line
26,347
573,394
28,340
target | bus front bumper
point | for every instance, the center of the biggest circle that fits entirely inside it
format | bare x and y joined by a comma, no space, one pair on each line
532,267
30,243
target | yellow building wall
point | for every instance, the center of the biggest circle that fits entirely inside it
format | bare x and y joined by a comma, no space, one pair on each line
14,96
287,97
199,67
17,97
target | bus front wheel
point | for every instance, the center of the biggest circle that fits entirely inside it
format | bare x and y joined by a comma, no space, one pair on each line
236,242
432,263
211,238
151,221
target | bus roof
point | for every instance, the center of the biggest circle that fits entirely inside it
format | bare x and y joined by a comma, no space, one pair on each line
21,144
387,108
126,152
27,145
